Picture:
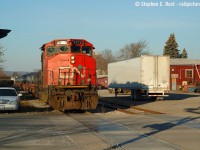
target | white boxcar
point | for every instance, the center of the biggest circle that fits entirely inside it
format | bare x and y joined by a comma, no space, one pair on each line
145,76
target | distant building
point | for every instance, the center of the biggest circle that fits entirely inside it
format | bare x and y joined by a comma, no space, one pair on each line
4,33
102,81
184,73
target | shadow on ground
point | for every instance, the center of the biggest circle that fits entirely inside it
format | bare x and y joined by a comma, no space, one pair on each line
193,110
181,96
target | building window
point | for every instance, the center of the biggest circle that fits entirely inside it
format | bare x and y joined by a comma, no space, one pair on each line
188,73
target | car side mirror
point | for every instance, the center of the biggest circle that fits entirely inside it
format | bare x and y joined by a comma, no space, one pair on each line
20,94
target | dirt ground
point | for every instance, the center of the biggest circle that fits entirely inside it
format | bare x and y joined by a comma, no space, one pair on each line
28,103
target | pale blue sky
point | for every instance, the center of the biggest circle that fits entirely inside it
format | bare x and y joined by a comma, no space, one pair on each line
108,24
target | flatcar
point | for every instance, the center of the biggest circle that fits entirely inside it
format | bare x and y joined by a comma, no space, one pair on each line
26,82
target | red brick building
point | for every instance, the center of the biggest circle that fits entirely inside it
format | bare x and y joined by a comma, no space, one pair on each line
184,73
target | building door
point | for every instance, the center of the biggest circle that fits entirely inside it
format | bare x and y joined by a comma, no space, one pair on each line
174,84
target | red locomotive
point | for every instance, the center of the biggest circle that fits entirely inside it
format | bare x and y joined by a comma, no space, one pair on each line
68,74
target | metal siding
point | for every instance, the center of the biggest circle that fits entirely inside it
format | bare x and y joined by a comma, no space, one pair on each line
124,73
163,72
148,71
156,72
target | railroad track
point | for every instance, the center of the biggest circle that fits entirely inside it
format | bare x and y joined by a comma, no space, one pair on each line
125,108
119,136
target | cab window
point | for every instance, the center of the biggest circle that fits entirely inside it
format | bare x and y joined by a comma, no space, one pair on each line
63,49
51,50
87,50
75,49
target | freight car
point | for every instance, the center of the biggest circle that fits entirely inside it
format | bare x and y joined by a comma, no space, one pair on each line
25,82
68,75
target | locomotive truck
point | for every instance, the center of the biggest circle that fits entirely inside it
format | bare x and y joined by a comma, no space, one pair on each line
67,79
145,76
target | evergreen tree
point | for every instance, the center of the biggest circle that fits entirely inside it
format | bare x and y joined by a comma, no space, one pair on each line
184,54
171,46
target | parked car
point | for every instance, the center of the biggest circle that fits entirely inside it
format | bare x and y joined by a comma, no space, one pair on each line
9,99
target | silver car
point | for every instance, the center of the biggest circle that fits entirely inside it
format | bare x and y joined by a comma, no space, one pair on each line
9,99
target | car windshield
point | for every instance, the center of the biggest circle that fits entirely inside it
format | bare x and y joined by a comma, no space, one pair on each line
7,92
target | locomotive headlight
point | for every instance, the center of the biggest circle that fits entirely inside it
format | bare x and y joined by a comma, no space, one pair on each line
72,59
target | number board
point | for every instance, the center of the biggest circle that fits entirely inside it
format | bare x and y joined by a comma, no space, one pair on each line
77,42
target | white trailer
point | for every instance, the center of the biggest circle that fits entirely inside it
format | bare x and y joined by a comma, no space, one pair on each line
145,76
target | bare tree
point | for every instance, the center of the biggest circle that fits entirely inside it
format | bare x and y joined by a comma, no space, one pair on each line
99,62
134,50
2,60
102,60
15,74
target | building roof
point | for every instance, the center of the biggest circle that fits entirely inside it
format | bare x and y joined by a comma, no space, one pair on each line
4,33
102,76
184,61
